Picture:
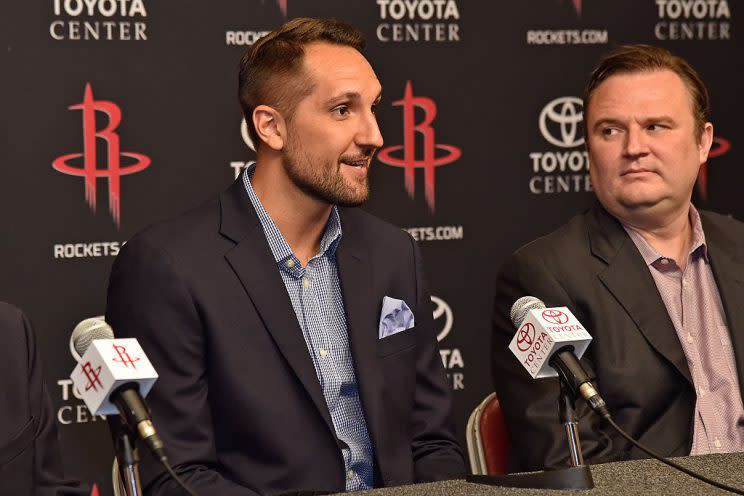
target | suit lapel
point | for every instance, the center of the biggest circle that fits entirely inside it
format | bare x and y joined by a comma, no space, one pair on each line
728,270
362,314
628,278
253,263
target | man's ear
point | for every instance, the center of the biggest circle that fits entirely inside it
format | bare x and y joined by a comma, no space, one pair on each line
270,126
706,141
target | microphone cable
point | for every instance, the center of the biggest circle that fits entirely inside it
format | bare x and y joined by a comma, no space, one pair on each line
664,460
164,461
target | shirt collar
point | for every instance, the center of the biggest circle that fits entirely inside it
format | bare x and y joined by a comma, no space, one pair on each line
651,256
279,246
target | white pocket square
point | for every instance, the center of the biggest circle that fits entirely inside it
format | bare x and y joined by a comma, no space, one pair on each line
395,317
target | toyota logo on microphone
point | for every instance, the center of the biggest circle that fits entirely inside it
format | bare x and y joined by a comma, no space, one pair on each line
563,117
525,337
555,316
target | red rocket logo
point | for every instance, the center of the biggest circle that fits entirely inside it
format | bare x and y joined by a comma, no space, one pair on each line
92,167
411,160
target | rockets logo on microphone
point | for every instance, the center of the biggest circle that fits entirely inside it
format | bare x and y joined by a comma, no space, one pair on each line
115,362
93,376
544,331
124,357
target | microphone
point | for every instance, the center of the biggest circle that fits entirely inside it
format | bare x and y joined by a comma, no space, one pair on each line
112,376
549,343
87,331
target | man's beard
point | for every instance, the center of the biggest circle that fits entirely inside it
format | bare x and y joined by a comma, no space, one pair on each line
323,180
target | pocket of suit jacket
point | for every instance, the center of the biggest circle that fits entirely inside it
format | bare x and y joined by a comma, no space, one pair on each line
397,342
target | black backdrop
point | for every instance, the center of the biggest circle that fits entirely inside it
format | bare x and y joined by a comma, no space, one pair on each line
500,80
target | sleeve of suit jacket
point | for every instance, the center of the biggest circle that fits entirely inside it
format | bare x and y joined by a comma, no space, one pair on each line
530,406
29,451
150,301
436,453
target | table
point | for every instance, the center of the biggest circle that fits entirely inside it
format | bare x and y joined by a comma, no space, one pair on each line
647,477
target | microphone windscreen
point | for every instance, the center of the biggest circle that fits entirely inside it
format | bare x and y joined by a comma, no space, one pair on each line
522,306
86,332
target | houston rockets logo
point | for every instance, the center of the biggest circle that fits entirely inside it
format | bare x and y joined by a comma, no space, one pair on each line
720,147
93,376
409,161
124,357
90,169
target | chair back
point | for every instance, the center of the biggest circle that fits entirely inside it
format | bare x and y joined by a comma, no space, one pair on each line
488,439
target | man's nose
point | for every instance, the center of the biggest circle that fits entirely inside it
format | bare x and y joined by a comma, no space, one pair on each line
369,132
635,141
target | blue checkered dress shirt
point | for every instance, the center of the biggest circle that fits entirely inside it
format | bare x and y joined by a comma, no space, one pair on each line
316,297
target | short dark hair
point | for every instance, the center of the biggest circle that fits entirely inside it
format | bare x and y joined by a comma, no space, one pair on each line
646,58
271,71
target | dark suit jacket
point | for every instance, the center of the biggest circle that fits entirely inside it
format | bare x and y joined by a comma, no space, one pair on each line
591,266
238,402
30,462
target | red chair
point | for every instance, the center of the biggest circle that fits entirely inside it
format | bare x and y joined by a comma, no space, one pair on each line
488,439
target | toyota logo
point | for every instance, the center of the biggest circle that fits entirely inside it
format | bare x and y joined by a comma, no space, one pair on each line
567,113
555,316
525,336
442,309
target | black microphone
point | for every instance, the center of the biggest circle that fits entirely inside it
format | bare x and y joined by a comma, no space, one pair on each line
126,397
561,357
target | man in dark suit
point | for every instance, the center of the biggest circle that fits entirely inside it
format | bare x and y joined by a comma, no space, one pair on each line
30,461
658,284
292,332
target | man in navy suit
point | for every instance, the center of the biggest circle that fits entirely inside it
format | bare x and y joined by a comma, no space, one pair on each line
292,332
30,461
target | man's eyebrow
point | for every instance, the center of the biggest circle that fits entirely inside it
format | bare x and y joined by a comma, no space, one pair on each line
349,95
605,121
658,118
613,121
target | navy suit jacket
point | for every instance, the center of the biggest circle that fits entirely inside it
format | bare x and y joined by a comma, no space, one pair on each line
238,402
30,462
593,267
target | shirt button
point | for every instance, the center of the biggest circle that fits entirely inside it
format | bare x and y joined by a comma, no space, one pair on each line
306,283
289,263
717,443
323,352
689,338
350,474
702,392
664,261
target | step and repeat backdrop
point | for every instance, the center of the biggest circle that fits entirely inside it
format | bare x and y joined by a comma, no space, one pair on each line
119,113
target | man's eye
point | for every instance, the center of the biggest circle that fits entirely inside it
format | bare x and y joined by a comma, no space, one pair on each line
341,110
609,131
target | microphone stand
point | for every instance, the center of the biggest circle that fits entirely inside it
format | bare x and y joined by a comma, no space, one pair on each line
127,455
567,414
577,476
